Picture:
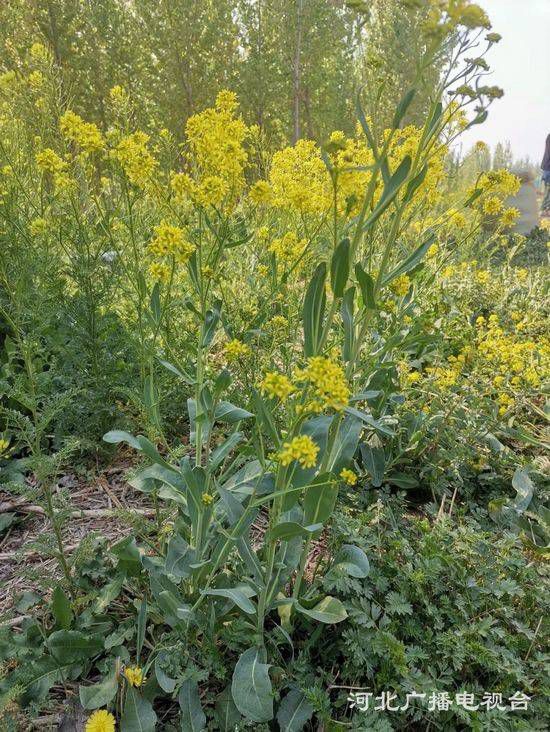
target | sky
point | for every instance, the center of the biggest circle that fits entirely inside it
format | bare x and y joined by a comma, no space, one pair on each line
521,66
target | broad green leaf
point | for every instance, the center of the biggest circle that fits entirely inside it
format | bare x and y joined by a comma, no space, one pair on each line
73,645
227,714
251,686
345,444
402,480
179,557
239,595
108,593
352,560
374,460
165,682
524,488
100,694
264,416
370,420
41,676
61,608
314,310
289,529
366,285
116,436
294,711
412,261
347,314
329,610
193,718
319,499
339,268
402,107
141,623
211,320
179,372
229,413
138,714
223,450
129,556
151,451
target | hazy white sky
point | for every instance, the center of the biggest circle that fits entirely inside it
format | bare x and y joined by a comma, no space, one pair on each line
521,66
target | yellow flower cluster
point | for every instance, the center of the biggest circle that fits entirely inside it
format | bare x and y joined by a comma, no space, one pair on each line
100,721
261,193
134,675
524,360
133,155
287,248
207,499
216,138
348,476
302,449
400,285
159,271
170,240
443,378
328,382
277,385
299,179
85,134
48,161
236,349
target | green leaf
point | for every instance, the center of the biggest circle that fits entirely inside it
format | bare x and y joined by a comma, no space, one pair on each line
73,645
347,313
129,556
319,499
289,529
100,694
391,189
352,560
374,460
294,711
179,372
264,416
6,520
329,610
61,608
165,682
366,285
223,450
116,436
193,718
211,320
314,310
229,413
251,686
41,676
179,557
227,714
108,593
525,489
138,714
369,419
402,107
141,623
339,268
412,261
239,595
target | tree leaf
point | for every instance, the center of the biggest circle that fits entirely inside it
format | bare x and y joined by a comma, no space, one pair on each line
329,610
138,715
251,686
61,608
193,718
294,711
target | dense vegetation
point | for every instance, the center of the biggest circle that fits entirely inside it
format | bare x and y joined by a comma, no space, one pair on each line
236,243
